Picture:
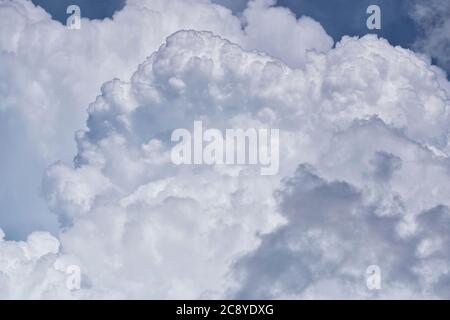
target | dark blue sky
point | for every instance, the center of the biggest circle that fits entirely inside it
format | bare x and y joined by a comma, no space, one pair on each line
92,9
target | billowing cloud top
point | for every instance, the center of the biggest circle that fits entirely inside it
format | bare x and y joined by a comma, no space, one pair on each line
363,157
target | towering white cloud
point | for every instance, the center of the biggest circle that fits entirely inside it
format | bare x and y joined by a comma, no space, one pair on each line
50,74
176,232
31,269
363,150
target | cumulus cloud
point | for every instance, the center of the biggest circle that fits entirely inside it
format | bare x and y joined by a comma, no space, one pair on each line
172,240
31,269
305,33
363,165
388,208
152,215
50,74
